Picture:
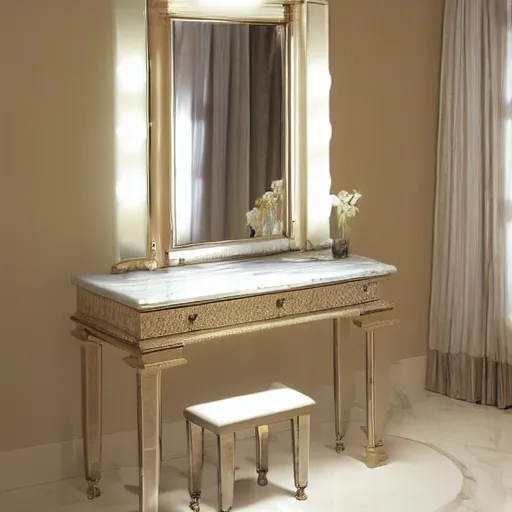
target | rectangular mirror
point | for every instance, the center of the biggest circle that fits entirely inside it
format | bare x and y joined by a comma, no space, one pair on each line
229,143
222,130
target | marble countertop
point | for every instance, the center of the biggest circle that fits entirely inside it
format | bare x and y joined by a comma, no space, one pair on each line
181,286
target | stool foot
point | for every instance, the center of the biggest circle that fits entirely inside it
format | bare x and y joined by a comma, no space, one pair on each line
194,502
93,491
301,494
262,477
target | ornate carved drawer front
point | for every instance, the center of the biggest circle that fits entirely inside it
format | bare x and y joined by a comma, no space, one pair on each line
252,309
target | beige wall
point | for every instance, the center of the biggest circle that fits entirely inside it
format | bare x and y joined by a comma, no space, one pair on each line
56,209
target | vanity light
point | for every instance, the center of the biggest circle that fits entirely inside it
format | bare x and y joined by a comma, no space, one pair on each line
230,4
131,128
131,74
253,9
319,82
131,189
131,133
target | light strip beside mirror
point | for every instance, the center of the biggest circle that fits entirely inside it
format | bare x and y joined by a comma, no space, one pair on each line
246,10
131,130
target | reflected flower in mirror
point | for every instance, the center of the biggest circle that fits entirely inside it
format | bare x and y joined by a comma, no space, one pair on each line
265,218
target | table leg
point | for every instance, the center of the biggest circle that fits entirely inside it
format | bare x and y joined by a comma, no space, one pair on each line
91,414
340,328
149,413
375,452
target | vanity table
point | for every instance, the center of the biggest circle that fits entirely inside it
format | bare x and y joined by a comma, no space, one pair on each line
223,204
155,316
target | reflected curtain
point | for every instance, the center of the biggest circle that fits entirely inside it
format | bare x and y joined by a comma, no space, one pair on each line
227,126
470,348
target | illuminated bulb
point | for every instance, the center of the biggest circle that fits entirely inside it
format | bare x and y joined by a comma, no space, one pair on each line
230,5
131,73
132,133
319,82
131,189
319,135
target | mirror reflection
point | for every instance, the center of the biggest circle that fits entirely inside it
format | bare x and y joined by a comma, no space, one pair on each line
228,131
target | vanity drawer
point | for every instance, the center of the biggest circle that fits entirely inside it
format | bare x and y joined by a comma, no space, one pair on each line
257,308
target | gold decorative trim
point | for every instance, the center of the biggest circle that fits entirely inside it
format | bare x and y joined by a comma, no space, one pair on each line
131,325
264,325
177,326
107,314
135,264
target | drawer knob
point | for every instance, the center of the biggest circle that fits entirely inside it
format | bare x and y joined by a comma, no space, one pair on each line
192,318
280,303
365,288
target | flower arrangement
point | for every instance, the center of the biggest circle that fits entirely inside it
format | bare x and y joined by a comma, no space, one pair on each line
264,218
345,204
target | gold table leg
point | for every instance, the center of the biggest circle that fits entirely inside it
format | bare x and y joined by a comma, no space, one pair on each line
92,414
340,331
149,413
376,454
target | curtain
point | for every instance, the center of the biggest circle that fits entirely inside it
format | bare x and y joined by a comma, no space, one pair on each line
470,347
227,126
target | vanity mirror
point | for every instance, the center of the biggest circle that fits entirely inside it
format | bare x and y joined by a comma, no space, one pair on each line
228,153
229,134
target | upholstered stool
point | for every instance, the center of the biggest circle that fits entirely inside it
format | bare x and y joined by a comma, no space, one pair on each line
258,411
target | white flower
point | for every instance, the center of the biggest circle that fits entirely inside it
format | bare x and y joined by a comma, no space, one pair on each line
335,201
355,198
344,196
277,186
252,216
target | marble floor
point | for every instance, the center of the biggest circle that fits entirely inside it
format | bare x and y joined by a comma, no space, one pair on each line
445,456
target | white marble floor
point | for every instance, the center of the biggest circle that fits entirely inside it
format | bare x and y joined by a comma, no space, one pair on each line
477,438
444,456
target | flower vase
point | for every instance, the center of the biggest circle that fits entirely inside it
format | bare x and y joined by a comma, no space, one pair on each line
339,248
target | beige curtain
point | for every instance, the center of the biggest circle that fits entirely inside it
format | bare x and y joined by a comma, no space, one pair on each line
470,349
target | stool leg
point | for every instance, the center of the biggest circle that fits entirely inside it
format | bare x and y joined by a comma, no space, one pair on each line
300,431
226,471
195,435
262,434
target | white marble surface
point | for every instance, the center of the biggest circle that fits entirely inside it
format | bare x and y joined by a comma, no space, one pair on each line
177,286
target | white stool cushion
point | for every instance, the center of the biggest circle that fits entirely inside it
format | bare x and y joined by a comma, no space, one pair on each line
279,403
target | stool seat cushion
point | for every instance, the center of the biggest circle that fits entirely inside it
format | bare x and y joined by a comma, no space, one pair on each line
278,403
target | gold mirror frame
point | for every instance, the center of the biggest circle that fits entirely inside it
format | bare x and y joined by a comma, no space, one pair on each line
307,178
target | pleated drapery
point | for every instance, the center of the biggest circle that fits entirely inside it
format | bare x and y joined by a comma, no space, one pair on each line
470,341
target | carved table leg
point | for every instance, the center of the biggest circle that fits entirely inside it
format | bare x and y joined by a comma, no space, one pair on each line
340,330
376,454
149,412
92,412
